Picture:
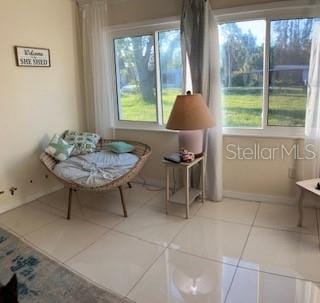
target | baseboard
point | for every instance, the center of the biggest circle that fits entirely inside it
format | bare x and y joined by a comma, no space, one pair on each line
308,202
9,205
259,197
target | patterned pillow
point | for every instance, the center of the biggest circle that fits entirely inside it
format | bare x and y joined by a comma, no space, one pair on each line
59,149
84,143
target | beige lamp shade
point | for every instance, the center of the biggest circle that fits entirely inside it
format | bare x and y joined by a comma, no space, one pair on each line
190,113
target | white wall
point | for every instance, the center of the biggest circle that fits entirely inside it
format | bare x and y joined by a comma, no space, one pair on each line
36,102
258,177
128,11
262,179
162,143
234,3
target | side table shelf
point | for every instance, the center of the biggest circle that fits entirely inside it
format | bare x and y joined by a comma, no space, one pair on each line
185,195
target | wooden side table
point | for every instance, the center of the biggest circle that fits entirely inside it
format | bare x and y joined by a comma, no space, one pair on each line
309,186
185,195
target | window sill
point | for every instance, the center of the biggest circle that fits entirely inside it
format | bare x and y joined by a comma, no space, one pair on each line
270,132
153,128
277,132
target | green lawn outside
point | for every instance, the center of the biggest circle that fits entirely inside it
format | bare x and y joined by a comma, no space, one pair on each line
240,110
134,108
245,110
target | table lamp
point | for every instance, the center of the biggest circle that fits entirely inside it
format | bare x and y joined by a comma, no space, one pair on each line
190,115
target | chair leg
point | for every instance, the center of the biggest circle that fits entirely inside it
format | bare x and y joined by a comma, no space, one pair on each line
69,204
123,202
129,184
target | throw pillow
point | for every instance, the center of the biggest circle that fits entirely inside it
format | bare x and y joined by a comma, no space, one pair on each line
120,147
84,143
59,149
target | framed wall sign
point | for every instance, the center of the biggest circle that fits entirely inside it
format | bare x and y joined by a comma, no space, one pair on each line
32,56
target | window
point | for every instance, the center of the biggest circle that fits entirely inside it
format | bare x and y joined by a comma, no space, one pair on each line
149,75
170,69
290,43
242,50
136,78
264,72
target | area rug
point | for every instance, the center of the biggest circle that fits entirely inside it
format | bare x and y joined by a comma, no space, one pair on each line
41,279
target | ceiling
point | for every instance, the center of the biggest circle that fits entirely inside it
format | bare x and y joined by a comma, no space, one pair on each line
219,4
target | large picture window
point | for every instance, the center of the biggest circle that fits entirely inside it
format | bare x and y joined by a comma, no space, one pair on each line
242,51
136,78
290,43
149,75
264,70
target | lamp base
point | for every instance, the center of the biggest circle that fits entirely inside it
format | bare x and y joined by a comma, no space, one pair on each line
192,140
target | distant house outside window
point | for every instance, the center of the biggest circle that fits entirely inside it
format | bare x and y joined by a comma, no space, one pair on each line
244,62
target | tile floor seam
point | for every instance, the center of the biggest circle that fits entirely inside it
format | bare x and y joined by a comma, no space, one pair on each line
221,220
145,272
78,217
37,229
229,288
45,253
7,228
49,205
242,251
167,248
123,219
278,275
148,200
63,264
114,230
202,257
246,241
19,206
88,220
98,239
88,279
133,211
201,205
179,231
137,238
286,230
37,248
187,221
84,218
163,252
53,257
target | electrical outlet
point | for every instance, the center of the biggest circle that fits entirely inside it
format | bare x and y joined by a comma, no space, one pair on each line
12,190
292,173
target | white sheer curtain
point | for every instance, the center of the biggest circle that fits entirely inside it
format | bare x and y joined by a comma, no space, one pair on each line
312,128
97,84
200,48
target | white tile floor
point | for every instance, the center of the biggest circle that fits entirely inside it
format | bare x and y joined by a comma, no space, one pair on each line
233,251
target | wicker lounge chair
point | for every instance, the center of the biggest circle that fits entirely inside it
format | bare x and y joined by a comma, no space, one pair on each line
142,151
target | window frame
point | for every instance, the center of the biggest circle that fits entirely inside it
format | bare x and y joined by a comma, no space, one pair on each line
131,30
268,12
